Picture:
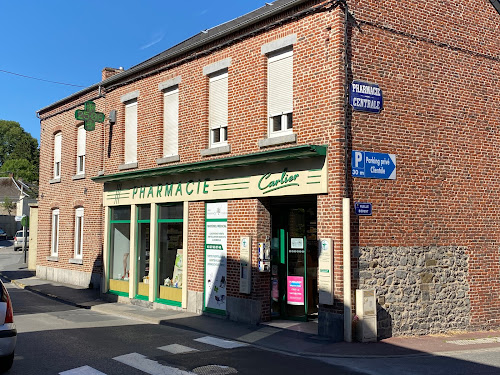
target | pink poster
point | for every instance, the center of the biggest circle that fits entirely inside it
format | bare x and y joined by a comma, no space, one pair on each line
295,290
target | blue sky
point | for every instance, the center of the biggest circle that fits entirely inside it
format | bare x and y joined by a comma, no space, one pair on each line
71,41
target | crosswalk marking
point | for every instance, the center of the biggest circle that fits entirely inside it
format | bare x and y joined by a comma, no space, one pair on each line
177,349
84,370
226,344
486,340
149,366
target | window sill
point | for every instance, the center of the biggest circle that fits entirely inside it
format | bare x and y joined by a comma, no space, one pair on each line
122,167
80,176
76,261
280,140
55,180
53,258
216,150
168,159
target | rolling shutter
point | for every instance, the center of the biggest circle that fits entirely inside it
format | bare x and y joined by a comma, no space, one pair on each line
171,122
218,100
280,83
131,132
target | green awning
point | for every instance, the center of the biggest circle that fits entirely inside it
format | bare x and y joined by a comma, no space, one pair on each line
297,152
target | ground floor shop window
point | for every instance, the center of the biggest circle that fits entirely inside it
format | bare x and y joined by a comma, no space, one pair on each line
119,250
170,253
143,250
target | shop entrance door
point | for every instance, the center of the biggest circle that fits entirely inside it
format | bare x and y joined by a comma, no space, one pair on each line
294,261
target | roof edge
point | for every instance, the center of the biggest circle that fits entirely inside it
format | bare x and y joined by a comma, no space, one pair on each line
273,10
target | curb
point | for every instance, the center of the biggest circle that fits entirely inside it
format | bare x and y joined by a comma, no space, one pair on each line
48,295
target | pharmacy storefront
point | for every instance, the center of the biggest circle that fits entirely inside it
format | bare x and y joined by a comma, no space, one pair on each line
147,218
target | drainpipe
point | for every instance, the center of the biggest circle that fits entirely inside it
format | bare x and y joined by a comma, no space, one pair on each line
346,202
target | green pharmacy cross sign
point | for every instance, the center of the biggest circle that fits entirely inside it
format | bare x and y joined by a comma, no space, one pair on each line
89,116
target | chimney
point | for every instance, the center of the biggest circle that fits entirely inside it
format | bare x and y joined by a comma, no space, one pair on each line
109,72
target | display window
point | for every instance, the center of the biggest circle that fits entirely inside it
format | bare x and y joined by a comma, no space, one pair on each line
119,250
170,253
143,251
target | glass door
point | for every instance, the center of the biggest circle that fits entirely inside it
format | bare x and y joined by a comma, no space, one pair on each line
294,262
143,248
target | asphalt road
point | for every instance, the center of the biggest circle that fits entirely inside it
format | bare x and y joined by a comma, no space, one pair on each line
55,338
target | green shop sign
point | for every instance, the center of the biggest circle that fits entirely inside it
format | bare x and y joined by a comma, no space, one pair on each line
89,116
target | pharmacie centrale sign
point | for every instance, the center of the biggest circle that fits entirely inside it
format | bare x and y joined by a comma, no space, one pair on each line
268,184
364,96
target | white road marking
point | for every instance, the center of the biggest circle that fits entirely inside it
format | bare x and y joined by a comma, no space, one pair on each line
149,366
259,334
84,370
486,340
177,349
226,344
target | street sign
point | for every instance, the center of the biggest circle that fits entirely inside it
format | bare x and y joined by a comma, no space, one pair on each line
366,97
373,165
25,221
363,209
89,116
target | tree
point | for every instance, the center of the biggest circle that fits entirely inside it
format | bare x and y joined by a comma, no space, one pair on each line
9,205
19,152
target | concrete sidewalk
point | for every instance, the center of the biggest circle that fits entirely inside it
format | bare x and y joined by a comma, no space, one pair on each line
285,336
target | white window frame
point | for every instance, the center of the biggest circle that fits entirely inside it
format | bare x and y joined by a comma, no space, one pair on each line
130,145
218,128
57,154
80,150
79,232
55,232
171,121
284,114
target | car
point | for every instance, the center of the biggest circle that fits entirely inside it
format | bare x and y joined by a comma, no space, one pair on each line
3,235
8,331
19,240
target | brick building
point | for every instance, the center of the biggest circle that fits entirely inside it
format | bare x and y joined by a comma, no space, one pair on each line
220,180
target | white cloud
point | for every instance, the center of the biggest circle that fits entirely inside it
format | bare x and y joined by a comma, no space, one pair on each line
155,38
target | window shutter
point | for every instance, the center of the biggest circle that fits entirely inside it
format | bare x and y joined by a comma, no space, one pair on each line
171,123
218,100
80,148
57,148
131,133
280,83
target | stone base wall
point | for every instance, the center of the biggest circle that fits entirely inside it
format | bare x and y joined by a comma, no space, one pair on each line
64,276
420,290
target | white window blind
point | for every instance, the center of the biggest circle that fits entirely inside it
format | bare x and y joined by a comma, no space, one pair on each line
57,155
131,132
218,103
78,232
80,149
280,83
55,232
171,122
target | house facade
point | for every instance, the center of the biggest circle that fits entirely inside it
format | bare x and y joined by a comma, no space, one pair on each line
224,177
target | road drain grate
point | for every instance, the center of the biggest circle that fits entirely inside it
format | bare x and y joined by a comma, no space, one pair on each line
214,370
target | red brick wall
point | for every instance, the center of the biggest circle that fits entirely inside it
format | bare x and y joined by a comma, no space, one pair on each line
437,64
68,194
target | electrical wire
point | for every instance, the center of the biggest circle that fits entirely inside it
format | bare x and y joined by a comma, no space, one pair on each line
39,79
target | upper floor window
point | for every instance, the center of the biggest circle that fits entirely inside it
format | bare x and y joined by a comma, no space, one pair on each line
131,132
280,91
80,150
218,103
171,121
78,232
57,154
55,232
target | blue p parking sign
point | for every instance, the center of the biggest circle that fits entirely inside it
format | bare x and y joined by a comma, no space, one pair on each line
373,165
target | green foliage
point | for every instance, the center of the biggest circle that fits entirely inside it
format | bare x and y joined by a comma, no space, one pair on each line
19,152
9,205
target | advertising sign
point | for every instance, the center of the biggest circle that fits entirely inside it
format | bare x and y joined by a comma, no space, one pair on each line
373,165
325,275
295,290
366,97
216,256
